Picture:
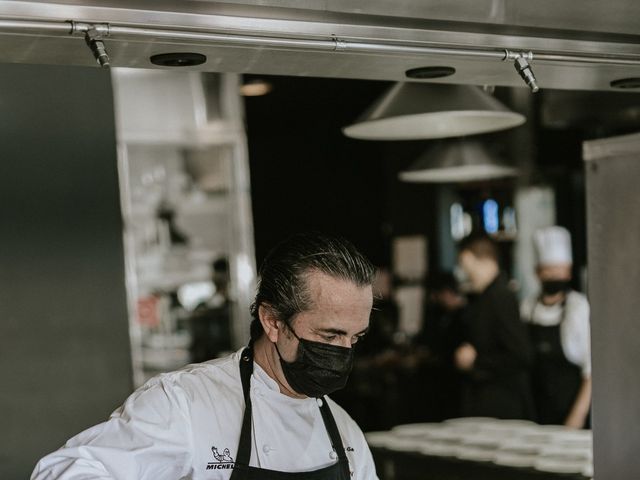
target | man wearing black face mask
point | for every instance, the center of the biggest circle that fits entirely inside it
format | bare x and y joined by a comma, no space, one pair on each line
558,321
261,413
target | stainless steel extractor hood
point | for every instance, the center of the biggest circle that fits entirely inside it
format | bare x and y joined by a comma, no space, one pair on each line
586,47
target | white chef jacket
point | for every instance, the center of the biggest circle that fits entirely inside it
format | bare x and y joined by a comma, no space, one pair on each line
575,331
169,428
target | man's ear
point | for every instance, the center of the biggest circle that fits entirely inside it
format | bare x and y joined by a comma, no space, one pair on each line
269,322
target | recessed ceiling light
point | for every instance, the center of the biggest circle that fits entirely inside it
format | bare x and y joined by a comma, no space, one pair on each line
633,82
430,72
178,59
255,88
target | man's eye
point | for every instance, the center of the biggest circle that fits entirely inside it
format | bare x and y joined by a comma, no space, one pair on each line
355,339
330,337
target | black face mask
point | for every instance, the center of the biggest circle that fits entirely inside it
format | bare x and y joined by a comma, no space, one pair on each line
553,287
319,368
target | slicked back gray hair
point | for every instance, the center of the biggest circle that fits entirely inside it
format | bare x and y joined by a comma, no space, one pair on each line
282,285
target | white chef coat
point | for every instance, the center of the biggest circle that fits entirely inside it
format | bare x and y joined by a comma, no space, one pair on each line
167,429
575,331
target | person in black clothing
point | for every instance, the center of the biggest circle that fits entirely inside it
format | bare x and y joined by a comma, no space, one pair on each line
211,321
436,342
497,355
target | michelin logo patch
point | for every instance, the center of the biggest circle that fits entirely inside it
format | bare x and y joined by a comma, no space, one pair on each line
223,460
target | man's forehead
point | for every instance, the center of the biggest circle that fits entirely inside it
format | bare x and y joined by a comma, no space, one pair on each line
327,289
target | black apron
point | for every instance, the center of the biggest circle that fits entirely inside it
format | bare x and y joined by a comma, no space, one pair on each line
242,470
556,381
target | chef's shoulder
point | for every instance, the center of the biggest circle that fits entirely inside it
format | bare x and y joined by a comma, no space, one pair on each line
213,381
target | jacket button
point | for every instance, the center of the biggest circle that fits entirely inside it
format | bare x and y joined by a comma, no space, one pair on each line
319,400
266,449
333,455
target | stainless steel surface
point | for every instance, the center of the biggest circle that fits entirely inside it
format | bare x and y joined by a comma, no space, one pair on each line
377,40
413,111
613,202
457,160
600,113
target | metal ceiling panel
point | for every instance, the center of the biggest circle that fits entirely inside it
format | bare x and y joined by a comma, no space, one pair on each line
353,39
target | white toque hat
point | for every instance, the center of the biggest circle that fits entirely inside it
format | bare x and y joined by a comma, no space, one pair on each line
553,246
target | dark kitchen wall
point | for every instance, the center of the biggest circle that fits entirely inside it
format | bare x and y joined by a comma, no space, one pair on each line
306,175
64,344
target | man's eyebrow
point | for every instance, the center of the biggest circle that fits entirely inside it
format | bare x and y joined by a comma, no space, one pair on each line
337,331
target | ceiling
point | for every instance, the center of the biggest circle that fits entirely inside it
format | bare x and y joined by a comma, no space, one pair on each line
573,47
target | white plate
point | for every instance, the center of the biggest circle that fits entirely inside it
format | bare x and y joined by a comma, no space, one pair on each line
559,466
533,439
378,439
517,423
471,420
586,444
403,444
573,436
552,429
482,441
416,429
475,454
511,459
506,429
521,448
450,434
566,453
439,449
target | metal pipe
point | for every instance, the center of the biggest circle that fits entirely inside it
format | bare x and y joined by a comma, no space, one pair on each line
613,59
361,47
330,44
224,38
35,26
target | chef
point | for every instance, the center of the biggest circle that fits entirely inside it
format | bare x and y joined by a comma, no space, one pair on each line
263,412
496,356
558,319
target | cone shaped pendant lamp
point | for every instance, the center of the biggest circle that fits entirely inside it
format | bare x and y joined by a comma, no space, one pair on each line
414,111
456,160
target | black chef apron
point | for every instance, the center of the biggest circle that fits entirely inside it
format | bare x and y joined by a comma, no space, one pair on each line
556,381
242,470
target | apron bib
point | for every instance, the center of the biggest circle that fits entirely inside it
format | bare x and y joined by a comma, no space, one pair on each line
556,381
242,470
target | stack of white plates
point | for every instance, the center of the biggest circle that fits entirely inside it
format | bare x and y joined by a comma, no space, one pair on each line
559,465
517,454
400,444
559,460
417,430
378,439
439,448
470,421
513,443
478,447
562,451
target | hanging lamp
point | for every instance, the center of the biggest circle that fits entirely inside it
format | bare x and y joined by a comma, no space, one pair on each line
414,111
456,160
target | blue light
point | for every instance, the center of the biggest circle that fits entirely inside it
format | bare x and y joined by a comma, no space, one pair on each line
490,216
